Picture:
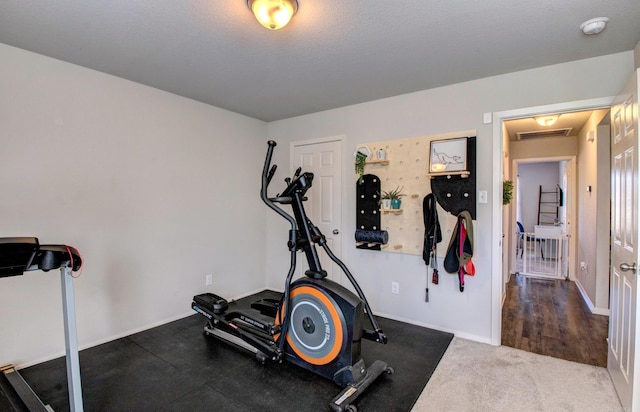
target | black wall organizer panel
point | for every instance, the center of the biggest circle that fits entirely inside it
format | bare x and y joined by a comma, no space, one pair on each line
367,207
456,193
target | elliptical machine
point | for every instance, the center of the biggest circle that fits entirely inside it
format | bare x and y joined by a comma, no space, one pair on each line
316,324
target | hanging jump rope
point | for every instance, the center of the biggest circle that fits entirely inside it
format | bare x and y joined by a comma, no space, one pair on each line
432,236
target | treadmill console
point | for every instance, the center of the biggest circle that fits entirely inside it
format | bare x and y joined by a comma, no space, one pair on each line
17,255
22,254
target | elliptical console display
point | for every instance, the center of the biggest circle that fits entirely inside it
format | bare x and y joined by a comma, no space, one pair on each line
316,324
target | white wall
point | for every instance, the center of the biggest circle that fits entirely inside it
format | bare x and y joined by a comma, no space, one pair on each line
549,147
593,212
154,189
508,211
532,176
565,179
603,229
441,110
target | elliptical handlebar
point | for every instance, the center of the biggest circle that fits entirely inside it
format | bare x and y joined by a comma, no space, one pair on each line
272,171
303,182
267,174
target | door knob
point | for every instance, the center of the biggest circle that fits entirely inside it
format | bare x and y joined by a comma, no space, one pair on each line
625,267
336,232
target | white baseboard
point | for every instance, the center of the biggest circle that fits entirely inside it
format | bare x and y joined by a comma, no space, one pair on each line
460,334
106,339
594,310
457,333
121,335
504,290
601,311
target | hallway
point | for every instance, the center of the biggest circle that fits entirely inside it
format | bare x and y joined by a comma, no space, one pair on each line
549,317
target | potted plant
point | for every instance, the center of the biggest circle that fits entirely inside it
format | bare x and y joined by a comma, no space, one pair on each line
507,192
391,199
361,160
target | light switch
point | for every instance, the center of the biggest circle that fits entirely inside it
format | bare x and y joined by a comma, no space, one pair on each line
482,196
487,118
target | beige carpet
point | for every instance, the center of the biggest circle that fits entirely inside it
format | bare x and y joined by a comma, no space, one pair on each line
477,377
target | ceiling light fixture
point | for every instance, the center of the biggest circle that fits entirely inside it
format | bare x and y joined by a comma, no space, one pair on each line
547,120
273,14
594,26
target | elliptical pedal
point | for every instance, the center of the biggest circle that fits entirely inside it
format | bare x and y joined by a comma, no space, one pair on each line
211,302
267,306
343,401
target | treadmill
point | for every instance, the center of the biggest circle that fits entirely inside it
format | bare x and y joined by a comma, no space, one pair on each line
23,254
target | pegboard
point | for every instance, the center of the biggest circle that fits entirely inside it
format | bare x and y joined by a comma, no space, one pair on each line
408,166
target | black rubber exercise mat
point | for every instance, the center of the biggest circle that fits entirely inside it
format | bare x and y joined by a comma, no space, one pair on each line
174,367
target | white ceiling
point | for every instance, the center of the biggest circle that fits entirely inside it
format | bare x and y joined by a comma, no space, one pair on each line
334,52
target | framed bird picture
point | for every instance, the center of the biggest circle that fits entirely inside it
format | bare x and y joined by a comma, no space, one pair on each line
448,155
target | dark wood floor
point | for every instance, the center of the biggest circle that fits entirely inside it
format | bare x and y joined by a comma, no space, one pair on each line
550,317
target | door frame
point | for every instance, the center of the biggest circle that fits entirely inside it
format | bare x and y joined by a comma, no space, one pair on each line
572,183
496,189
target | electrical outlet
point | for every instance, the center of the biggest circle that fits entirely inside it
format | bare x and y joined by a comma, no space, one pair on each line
395,288
583,265
208,280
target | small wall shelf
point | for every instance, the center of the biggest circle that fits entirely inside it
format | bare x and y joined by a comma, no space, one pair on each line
394,211
379,162
461,173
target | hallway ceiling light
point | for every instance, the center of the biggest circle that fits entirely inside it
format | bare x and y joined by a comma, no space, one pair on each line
273,14
594,26
547,120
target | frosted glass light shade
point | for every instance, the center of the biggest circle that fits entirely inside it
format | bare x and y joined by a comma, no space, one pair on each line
594,26
546,120
273,14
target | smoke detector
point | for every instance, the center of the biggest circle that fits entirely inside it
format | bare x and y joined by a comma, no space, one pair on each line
594,26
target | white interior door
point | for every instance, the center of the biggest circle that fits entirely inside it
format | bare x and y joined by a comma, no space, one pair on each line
324,207
623,319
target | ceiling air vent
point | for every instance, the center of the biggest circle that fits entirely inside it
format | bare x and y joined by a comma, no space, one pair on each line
544,133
